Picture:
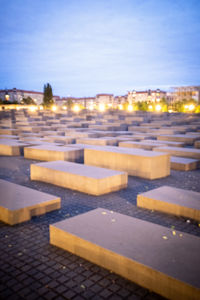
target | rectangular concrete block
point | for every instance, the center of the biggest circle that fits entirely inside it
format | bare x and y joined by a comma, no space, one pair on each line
183,164
60,139
83,178
145,253
186,138
19,203
135,162
167,143
50,153
197,144
180,151
12,147
98,141
172,200
141,145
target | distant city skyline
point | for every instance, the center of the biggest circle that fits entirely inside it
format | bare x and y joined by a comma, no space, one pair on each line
84,47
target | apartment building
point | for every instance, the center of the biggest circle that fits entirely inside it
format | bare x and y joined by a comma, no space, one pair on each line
148,95
14,94
185,92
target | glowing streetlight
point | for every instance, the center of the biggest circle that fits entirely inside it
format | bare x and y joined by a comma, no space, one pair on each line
54,108
76,108
65,107
150,107
130,108
102,107
41,107
91,107
158,107
32,108
191,107
120,106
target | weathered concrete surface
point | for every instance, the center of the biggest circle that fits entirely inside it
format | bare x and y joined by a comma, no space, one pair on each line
135,162
171,200
177,151
83,178
143,252
50,153
183,164
167,143
141,145
98,141
188,139
19,203
197,144
12,147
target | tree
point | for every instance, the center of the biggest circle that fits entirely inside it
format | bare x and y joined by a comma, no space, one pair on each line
48,95
69,103
164,105
27,101
143,105
183,106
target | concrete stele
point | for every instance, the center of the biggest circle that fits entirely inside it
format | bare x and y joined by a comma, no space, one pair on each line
19,203
83,178
136,162
140,145
183,164
12,147
188,139
172,200
50,153
180,151
145,253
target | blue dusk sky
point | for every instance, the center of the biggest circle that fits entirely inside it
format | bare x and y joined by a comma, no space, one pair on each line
85,47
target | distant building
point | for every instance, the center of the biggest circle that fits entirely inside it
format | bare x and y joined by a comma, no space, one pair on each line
86,102
148,95
107,99
17,95
120,100
185,92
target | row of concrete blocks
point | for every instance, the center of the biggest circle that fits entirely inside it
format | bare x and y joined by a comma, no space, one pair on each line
140,251
189,160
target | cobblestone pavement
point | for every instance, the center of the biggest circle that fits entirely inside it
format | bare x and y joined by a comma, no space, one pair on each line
30,268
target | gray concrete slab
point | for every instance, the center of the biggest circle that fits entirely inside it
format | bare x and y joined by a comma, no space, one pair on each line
83,178
110,141
186,138
12,147
145,253
19,203
197,144
172,200
168,143
141,144
136,162
50,153
183,164
178,151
